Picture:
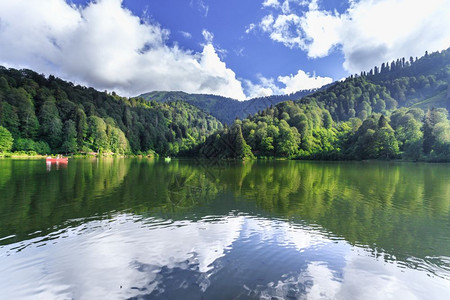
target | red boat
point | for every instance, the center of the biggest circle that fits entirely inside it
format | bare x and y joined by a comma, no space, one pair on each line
57,160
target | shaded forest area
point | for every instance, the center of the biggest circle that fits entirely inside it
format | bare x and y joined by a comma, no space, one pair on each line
225,109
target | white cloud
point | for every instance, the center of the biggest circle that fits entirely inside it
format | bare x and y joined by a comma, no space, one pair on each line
292,83
368,33
208,36
250,28
312,4
321,31
204,8
104,45
271,3
302,81
283,29
377,31
201,7
265,87
186,34
285,8
266,23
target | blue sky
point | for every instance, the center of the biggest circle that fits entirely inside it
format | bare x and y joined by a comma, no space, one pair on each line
235,48
246,54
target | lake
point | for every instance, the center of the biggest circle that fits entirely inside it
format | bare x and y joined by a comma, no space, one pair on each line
139,228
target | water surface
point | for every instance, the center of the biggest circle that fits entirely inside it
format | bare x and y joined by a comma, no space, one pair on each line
137,228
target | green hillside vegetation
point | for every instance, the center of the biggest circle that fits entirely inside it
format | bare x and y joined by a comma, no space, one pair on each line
373,116
396,111
422,83
307,131
50,115
224,109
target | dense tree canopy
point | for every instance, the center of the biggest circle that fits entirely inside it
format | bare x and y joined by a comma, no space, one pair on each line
398,110
298,130
48,115
224,109
422,83
6,139
375,115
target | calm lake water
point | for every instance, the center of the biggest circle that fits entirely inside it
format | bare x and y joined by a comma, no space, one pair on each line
137,228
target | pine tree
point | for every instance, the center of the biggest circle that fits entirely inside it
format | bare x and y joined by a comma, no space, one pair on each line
432,117
382,122
70,137
242,150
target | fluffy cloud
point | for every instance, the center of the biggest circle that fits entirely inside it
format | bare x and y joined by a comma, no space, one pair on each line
368,32
284,6
321,32
378,31
271,3
105,45
284,29
302,81
292,83
265,87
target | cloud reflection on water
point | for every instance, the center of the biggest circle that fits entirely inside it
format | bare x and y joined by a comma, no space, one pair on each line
235,255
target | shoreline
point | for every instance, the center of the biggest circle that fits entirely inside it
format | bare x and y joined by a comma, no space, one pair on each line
24,156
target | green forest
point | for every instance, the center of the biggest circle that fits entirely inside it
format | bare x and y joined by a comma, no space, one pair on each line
422,83
49,115
398,110
226,110
306,131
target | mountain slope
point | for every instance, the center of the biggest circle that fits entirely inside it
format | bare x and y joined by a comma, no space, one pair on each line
422,83
224,109
51,115
372,116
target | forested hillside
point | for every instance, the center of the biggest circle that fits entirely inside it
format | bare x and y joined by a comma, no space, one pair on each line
422,83
372,116
307,131
224,109
413,82
396,111
50,115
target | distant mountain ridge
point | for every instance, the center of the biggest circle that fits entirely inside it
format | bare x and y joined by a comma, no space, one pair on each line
413,82
224,109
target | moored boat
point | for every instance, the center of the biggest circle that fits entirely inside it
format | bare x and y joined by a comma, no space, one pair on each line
57,159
